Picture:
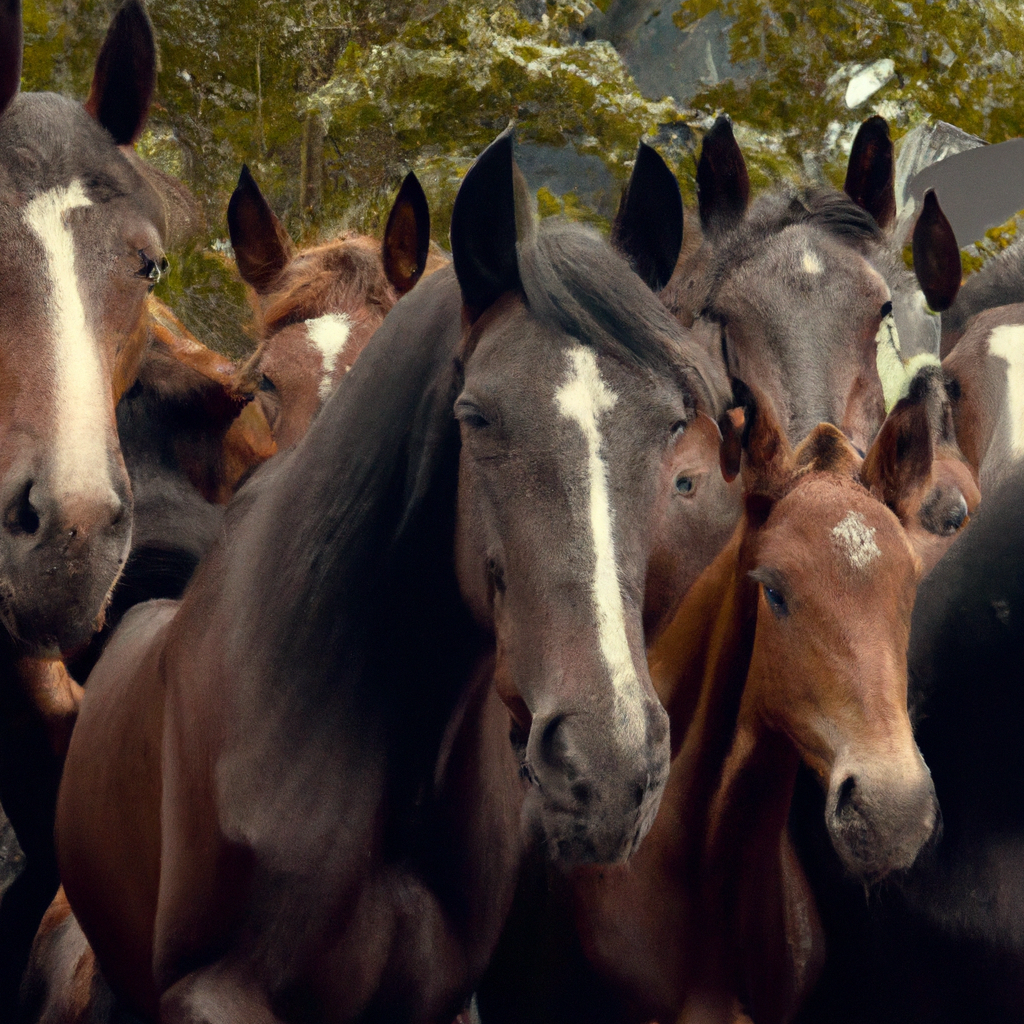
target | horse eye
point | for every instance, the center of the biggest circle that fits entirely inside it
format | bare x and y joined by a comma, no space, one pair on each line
266,384
151,270
886,310
470,414
684,484
776,601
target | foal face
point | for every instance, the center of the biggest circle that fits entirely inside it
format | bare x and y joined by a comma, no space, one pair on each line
837,579
571,463
81,248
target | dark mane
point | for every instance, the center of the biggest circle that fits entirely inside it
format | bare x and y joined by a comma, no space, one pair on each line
833,212
576,283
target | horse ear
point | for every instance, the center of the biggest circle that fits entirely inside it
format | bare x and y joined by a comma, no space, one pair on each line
11,45
871,174
407,236
826,449
900,460
125,74
767,456
648,229
484,229
262,246
936,255
723,186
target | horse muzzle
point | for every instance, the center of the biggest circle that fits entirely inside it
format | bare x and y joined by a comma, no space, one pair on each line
880,818
594,799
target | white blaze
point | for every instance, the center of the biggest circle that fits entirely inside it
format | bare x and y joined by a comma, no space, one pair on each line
1007,342
330,335
583,398
80,457
856,540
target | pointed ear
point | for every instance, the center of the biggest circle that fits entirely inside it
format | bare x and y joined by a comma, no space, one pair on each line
11,45
262,246
936,255
407,236
871,173
125,74
826,449
900,460
767,456
723,186
484,229
648,228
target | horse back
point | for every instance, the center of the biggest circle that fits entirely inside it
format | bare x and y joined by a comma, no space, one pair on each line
108,816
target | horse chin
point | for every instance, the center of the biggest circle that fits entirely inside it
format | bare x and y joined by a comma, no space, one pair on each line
58,611
582,834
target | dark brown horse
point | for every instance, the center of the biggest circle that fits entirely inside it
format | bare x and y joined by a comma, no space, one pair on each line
332,827
790,648
83,224
794,288
316,309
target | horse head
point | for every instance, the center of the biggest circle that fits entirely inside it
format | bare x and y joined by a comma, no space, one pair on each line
316,309
585,443
84,226
836,575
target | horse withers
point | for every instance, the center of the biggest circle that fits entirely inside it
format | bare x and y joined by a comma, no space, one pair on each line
334,823
84,224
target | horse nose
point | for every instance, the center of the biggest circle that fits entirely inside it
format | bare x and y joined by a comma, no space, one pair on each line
33,512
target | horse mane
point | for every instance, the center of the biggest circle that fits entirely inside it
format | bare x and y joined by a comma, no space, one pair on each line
331,276
831,211
576,283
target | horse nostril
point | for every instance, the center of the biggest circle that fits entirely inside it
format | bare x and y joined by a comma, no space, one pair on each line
21,517
641,791
844,798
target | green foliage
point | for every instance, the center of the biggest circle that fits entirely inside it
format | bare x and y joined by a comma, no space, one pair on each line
958,60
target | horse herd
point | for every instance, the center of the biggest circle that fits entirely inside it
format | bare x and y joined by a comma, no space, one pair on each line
621,637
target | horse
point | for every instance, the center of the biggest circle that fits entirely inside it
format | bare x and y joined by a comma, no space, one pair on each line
943,941
333,825
316,309
790,648
794,290
84,224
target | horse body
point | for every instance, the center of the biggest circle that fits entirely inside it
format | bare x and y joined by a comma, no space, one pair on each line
340,815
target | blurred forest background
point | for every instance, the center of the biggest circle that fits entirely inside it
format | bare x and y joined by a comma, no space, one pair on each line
331,102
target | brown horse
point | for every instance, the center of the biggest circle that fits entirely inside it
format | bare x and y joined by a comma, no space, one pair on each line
317,309
84,224
790,648
332,826
794,290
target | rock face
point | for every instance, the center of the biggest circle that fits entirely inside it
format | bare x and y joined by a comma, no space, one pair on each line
663,60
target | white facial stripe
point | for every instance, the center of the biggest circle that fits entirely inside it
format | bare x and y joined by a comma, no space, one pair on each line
1007,342
330,335
582,399
83,421
811,263
856,540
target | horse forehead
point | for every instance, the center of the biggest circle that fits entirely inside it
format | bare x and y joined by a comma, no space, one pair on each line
837,527
49,142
